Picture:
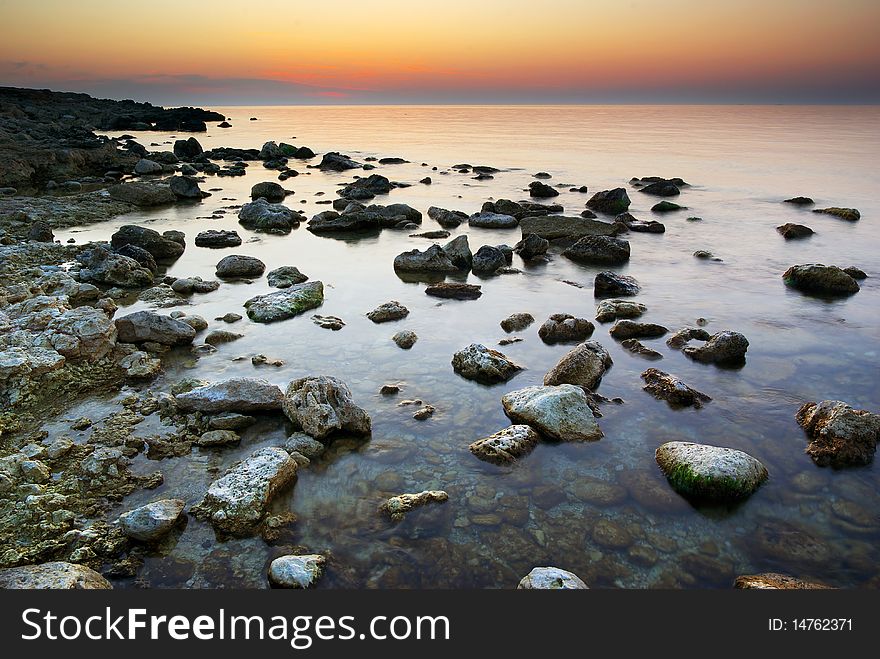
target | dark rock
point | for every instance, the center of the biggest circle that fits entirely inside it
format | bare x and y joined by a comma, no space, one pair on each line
433,259
446,218
488,259
542,190
162,248
185,187
848,214
611,284
531,246
800,201
820,279
366,188
563,327
187,149
840,436
218,238
611,202
791,230
236,266
722,348
454,290
142,194
682,336
336,162
269,190
664,386
636,347
599,250
661,188
667,207
139,254
631,329
41,232
855,272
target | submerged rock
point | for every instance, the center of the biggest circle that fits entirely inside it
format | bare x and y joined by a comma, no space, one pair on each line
542,190
609,284
506,446
56,575
722,348
433,259
234,395
517,322
214,238
790,231
631,329
609,310
398,506
322,405
563,327
599,250
286,303
775,581
551,578
142,194
269,190
296,571
611,202
337,162
488,220
840,436
454,290
477,362
848,214
584,365
664,386
388,311
366,188
261,215
558,412
710,472
149,326
328,322
152,521
820,279
800,201
685,334
636,347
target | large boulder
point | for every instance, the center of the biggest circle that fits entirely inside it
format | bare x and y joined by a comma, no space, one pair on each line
159,246
584,365
710,473
142,194
142,326
563,327
100,265
322,405
602,250
531,246
269,190
820,279
240,395
840,436
236,502
506,446
56,575
722,348
487,366
433,259
286,303
152,521
551,578
260,215
611,202
237,265
459,252
487,220
558,412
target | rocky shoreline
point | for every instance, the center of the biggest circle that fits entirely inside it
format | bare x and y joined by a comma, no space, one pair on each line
62,338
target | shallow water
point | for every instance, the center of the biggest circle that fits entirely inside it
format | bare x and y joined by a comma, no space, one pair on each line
500,522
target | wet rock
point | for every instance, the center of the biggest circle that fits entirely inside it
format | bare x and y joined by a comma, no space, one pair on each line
563,327
459,252
609,534
398,506
41,232
142,194
484,365
551,578
611,202
454,290
214,238
506,446
557,227
584,365
144,167
531,246
328,322
185,187
269,190
81,333
286,303
800,201
661,188
855,272
301,443
263,216
710,472
388,311
775,581
636,347
791,231
667,207
487,220
433,259
366,188
848,214
542,190
599,250
230,421
152,521
322,405
609,284
243,395
218,337
301,571
488,259
196,322
558,412
229,318
56,575
631,329
664,386
609,310
149,326
424,413
405,339
140,366
820,279
432,235
188,285
446,218
722,348
685,334
336,162
840,436
236,266
389,389
285,277
187,149
218,438
159,246
705,255
517,322
236,502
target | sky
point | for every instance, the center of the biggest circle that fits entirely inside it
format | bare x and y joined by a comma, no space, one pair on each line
229,52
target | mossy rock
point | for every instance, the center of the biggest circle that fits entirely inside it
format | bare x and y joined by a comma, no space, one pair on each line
710,473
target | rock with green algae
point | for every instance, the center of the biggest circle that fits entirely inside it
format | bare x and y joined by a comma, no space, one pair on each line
711,473
286,303
820,279
398,506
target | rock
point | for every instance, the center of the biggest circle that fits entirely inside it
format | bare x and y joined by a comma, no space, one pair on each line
584,365
433,259
820,279
486,220
722,348
426,180
459,252
506,446
556,227
262,216
236,266
397,507
230,318
800,201
609,310
840,436
531,246
41,232
664,386
563,327
185,187
446,218
159,246
187,149
611,202
599,250
551,578
517,322
848,214
405,339
661,188
301,443
685,334
142,256
188,285
56,575
237,501
484,365
636,347
286,303
149,326
791,231
328,322
336,162
152,521
366,188
145,167
558,412
423,413
218,438
454,290
667,207
140,366
218,337
142,194
301,571
214,238
488,259
389,389
542,190
230,421
703,254
609,284
629,329
269,190
243,395
285,277
710,472
855,272
432,235
322,405
774,580
388,311
270,151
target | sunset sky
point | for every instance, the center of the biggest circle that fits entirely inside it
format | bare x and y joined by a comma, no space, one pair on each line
447,51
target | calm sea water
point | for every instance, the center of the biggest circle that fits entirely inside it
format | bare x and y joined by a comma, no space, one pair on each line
552,507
